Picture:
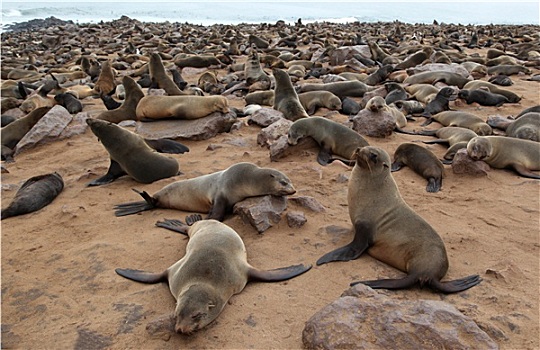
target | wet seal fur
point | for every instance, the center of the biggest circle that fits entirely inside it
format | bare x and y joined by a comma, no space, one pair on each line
507,152
180,107
422,161
35,193
390,231
333,138
214,193
132,155
213,269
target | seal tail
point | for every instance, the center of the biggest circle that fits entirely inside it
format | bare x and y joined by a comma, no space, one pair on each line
276,275
142,276
136,207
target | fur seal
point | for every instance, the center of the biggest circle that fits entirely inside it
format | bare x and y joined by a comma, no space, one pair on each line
341,89
265,98
377,104
180,107
9,103
462,119
508,69
482,97
422,161
349,106
105,83
433,77
126,111
394,92
34,194
333,138
422,92
285,97
535,109
198,61
313,100
501,80
455,136
159,77
132,155
526,127
390,231
478,84
69,102
507,152
11,134
213,269
441,101
214,193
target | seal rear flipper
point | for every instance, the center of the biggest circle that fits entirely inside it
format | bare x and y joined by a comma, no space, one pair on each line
523,171
403,131
429,119
173,225
136,207
353,250
390,283
114,172
142,276
396,166
434,185
167,146
455,286
276,275
23,91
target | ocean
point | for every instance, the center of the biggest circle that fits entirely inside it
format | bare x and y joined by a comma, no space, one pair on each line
229,12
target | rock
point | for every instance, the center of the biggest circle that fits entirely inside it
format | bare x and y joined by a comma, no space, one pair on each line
344,53
308,203
365,319
273,132
374,124
48,128
128,123
463,164
437,67
296,219
261,212
281,148
264,117
194,129
77,126
161,327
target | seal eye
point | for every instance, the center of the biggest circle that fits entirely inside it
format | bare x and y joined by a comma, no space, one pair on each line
373,157
197,316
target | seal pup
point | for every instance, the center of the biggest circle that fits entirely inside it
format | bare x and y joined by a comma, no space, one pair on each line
349,106
134,156
507,152
180,107
390,231
422,161
11,134
159,77
214,193
462,119
127,110
501,80
333,138
395,92
478,84
213,269
34,194
482,97
313,100
70,102
441,101
285,97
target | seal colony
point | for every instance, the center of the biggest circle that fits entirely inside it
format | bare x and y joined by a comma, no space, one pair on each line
308,59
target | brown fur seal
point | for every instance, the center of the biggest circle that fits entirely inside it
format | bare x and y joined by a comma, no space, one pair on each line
377,104
132,155
285,97
462,119
441,101
265,98
213,269
390,231
526,127
11,134
478,84
253,71
159,77
395,92
180,107
70,102
9,103
198,61
334,138
105,83
422,92
313,100
507,152
34,194
341,89
127,110
422,161
455,136
482,97
214,193
433,77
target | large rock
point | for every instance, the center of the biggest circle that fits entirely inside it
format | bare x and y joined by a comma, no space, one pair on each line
261,212
77,126
364,319
280,148
273,132
48,128
463,164
195,129
344,53
265,117
374,124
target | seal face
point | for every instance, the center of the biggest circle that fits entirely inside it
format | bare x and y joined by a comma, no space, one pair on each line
390,231
36,193
213,269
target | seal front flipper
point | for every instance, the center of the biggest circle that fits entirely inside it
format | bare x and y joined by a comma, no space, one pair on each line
434,185
390,283
143,276
353,250
325,156
220,207
396,166
136,207
114,172
173,225
167,146
276,275
455,285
